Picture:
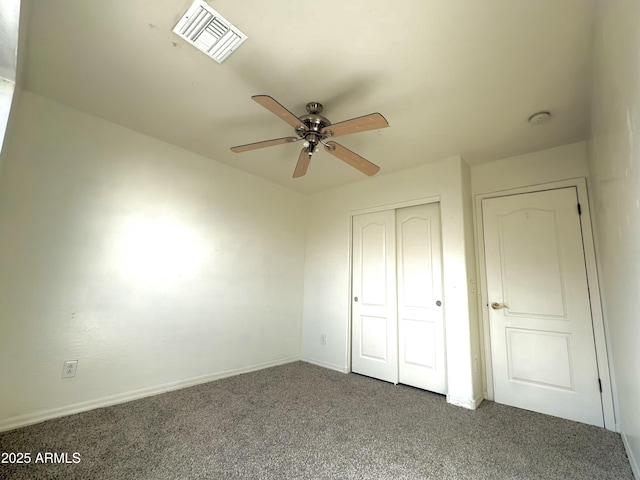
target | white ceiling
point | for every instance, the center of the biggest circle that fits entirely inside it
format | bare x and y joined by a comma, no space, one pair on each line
451,76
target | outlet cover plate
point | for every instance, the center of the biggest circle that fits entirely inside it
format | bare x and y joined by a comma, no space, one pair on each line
69,369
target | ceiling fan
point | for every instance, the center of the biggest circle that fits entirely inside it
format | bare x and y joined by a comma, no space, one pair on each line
313,129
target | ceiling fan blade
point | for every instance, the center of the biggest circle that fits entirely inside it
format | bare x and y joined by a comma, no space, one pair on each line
303,163
353,159
373,121
266,143
274,107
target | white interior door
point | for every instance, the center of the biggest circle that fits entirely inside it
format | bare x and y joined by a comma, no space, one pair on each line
374,309
541,332
421,361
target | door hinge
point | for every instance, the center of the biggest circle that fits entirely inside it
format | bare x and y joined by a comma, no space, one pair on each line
579,210
600,385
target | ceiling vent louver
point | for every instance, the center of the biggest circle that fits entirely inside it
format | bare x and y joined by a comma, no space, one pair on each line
209,32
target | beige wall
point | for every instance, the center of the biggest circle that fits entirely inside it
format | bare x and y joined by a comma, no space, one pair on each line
614,163
152,266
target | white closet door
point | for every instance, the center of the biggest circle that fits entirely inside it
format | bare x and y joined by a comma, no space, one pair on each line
374,309
421,339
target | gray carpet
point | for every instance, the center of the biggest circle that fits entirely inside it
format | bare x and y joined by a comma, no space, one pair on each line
299,421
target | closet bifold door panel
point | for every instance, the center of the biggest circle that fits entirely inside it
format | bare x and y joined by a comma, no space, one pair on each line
421,343
374,310
397,312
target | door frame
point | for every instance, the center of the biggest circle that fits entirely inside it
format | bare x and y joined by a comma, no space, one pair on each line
361,211
597,318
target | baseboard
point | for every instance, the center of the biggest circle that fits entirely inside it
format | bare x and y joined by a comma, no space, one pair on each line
465,402
635,466
43,415
330,366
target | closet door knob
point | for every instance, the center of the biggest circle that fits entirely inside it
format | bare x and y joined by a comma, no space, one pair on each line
438,303
355,299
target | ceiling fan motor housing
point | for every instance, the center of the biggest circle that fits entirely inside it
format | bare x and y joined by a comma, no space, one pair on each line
313,120
314,123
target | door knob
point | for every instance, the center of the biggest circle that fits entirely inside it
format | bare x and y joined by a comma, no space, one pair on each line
355,299
498,306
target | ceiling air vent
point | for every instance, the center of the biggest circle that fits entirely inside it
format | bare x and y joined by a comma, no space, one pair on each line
209,32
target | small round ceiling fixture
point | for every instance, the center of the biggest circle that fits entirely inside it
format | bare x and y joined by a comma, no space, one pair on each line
539,118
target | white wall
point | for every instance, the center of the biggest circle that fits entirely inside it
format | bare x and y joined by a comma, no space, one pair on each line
472,303
327,266
545,166
614,163
150,265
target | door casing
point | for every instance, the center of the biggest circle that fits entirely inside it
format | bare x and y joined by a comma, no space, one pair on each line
599,327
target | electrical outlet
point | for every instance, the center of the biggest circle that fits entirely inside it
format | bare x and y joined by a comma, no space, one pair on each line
69,368
323,339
